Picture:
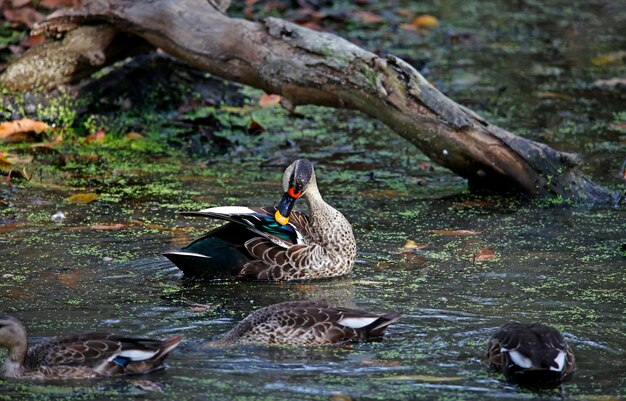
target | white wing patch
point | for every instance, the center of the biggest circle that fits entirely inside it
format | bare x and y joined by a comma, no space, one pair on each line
518,359
183,253
135,355
560,361
357,322
228,210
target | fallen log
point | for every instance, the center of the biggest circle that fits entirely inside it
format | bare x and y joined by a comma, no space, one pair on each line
310,67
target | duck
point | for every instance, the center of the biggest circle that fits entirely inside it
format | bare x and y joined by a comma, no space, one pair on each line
82,356
306,323
532,354
273,243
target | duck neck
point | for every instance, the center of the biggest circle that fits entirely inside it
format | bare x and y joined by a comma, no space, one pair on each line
317,206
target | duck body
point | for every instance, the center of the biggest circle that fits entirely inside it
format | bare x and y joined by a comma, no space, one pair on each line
83,356
531,354
306,324
273,243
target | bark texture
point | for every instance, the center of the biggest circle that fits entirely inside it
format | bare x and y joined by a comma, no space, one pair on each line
310,67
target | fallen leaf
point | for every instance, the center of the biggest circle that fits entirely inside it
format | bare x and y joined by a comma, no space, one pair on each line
26,15
255,128
410,246
147,385
424,21
613,82
82,198
269,100
609,58
554,95
380,363
53,4
368,17
118,226
32,41
134,136
200,308
11,226
484,255
71,279
423,378
476,203
340,397
21,130
97,136
455,232
19,3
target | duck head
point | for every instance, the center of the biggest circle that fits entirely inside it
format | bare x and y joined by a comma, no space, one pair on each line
296,181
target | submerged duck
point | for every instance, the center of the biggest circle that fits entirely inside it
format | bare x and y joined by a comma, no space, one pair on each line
274,243
307,323
532,354
80,356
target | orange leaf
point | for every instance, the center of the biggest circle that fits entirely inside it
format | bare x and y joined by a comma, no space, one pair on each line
31,41
455,232
476,203
368,17
484,255
97,136
425,21
269,100
82,198
21,130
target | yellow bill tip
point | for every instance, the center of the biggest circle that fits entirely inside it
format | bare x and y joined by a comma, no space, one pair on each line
280,219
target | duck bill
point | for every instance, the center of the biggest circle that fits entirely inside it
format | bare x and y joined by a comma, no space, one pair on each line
284,209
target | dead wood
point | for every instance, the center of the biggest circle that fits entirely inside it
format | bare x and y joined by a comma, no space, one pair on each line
310,67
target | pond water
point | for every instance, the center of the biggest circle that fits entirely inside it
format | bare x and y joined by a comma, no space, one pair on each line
526,65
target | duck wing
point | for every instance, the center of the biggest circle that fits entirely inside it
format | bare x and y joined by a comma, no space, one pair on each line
309,323
261,221
105,354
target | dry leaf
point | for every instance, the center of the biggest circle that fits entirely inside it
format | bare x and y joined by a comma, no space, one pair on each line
410,246
71,279
82,198
26,15
255,128
53,4
19,3
611,83
269,100
32,41
97,136
134,136
368,17
380,363
339,397
609,58
423,378
553,95
21,130
425,21
200,308
477,203
484,255
147,385
455,232
117,226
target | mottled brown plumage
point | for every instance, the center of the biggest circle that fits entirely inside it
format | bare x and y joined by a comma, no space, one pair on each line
531,354
81,356
257,245
307,323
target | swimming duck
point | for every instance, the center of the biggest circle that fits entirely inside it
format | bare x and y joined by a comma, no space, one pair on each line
80,356
307,323
274,243
531,354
